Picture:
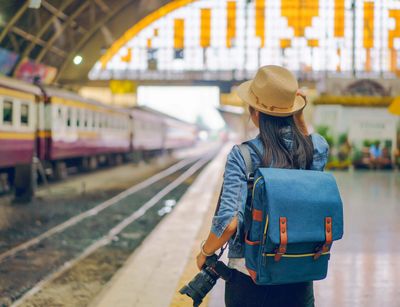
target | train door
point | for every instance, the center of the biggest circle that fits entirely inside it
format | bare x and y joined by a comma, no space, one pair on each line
40,131
25,171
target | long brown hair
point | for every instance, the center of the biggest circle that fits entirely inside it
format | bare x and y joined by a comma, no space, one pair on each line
276,152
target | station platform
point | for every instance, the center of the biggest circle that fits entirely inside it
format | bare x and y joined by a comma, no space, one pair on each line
364,267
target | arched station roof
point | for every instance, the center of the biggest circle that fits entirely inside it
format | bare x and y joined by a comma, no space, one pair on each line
201,35
58,30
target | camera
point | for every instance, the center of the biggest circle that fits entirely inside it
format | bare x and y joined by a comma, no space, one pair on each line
205,280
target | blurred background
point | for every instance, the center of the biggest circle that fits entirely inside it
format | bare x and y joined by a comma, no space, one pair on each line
99,95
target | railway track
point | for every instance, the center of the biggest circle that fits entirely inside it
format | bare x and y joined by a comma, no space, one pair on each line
23,268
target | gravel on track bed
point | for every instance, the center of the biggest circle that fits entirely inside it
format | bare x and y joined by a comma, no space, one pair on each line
78,285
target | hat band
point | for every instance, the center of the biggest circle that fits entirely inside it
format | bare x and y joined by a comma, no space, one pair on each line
268,107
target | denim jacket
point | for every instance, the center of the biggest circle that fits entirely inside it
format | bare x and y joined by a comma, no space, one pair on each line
234,188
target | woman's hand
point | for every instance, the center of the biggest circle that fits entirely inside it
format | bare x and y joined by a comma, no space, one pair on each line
201,260
213,243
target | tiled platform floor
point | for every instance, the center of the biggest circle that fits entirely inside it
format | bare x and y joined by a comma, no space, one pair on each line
365,265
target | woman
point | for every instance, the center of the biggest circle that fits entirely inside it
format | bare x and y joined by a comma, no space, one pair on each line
276,108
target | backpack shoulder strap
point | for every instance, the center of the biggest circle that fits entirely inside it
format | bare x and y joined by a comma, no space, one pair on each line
245,152
256,150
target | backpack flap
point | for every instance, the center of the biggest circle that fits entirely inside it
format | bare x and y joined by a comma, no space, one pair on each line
305,199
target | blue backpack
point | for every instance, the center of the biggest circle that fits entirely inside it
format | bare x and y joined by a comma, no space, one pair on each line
291,219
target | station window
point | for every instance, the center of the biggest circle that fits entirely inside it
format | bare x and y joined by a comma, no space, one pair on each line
24,114
7,112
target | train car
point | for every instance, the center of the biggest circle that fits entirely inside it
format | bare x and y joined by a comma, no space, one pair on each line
55,129
82,132
154,131
178,134
18,127
147,131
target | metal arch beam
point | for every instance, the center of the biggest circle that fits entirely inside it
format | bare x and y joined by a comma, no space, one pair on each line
89,34
70,19
104,7
39,34
60,14
31,37
14,42
13,20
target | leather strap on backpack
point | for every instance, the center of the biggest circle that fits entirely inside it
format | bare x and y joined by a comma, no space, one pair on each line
328,239
283,236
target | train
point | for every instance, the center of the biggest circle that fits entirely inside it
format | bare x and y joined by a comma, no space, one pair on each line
56,129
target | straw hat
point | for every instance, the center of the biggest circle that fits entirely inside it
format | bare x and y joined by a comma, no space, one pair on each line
272,91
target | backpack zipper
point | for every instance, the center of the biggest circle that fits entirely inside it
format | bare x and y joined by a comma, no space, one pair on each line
294,255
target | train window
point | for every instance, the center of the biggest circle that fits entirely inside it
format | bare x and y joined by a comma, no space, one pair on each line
112,122
59,111
24,114
78,113
69,117
86,118
92,120
105,122
93,116
7,112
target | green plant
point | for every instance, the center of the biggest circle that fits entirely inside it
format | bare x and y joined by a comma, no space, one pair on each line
324,131
368,143
387,144
357,155
342,138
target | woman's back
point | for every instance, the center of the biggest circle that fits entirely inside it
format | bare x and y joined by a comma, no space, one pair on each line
283,142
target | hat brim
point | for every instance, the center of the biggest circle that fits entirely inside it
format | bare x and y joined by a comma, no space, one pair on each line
245,93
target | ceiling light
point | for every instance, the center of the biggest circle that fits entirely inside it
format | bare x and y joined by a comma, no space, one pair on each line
78,60
34,4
